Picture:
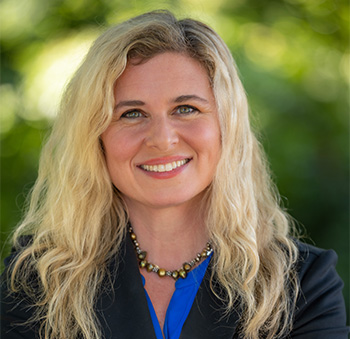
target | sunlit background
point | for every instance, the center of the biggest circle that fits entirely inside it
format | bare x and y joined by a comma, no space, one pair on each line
293,57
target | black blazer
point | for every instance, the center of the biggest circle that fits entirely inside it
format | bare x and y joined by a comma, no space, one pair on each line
123,312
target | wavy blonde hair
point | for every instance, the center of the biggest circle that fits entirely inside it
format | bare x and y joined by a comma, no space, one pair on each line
78,220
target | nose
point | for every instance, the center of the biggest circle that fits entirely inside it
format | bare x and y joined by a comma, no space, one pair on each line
162,134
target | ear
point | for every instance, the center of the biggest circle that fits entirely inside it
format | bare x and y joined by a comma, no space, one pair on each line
102,146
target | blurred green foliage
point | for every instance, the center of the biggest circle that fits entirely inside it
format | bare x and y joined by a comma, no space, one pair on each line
293,57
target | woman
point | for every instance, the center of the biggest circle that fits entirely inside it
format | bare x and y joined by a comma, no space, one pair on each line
151,161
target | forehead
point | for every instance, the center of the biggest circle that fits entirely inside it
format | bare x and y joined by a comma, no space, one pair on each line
168,70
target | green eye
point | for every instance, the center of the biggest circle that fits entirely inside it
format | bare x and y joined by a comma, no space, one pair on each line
131,114
186,110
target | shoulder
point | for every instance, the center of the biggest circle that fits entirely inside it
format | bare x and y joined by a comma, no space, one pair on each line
313,259
310,252
320,308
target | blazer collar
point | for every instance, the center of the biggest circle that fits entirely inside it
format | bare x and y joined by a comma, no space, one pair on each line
123,312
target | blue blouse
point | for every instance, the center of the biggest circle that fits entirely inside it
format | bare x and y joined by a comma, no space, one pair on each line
180,303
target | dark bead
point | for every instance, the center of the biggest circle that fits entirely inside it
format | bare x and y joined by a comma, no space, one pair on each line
186,266
150,267
182,273
175,274
143,263
142,255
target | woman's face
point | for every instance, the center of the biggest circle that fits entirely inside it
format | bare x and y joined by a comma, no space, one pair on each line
163,144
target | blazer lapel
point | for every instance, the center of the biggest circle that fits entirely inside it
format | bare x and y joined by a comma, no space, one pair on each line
123,312
206,319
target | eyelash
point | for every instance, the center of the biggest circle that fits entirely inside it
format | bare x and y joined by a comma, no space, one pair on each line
177,111
126,114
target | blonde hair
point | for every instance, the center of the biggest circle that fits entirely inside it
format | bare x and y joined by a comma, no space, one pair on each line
78,220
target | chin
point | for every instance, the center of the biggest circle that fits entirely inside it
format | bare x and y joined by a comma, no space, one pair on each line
169,200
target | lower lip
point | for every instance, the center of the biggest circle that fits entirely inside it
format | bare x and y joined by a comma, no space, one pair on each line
165,175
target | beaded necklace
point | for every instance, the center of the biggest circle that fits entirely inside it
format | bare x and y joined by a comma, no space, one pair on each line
175,274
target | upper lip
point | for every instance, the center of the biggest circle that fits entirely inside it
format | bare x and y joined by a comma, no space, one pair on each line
163,160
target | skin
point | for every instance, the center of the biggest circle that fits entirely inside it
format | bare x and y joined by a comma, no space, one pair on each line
165,112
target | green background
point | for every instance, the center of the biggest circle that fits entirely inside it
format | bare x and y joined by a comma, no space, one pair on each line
293,57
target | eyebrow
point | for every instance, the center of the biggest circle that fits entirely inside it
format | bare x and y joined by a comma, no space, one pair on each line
129,103
184,98
180,99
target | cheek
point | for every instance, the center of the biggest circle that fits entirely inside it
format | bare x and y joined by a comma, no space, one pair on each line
206,136
119,147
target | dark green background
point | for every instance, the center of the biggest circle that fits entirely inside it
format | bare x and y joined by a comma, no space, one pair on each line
293,60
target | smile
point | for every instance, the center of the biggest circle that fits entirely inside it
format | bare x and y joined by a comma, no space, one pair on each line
165,167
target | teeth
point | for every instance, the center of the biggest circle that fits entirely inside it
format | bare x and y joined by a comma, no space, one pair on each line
165,167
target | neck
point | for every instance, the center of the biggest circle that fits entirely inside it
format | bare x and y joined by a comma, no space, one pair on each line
171,236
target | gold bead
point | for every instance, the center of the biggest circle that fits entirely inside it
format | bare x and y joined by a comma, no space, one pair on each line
142,255
150,267
133,236
143,263
161,272
175,274
182,273
204,253
186,266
